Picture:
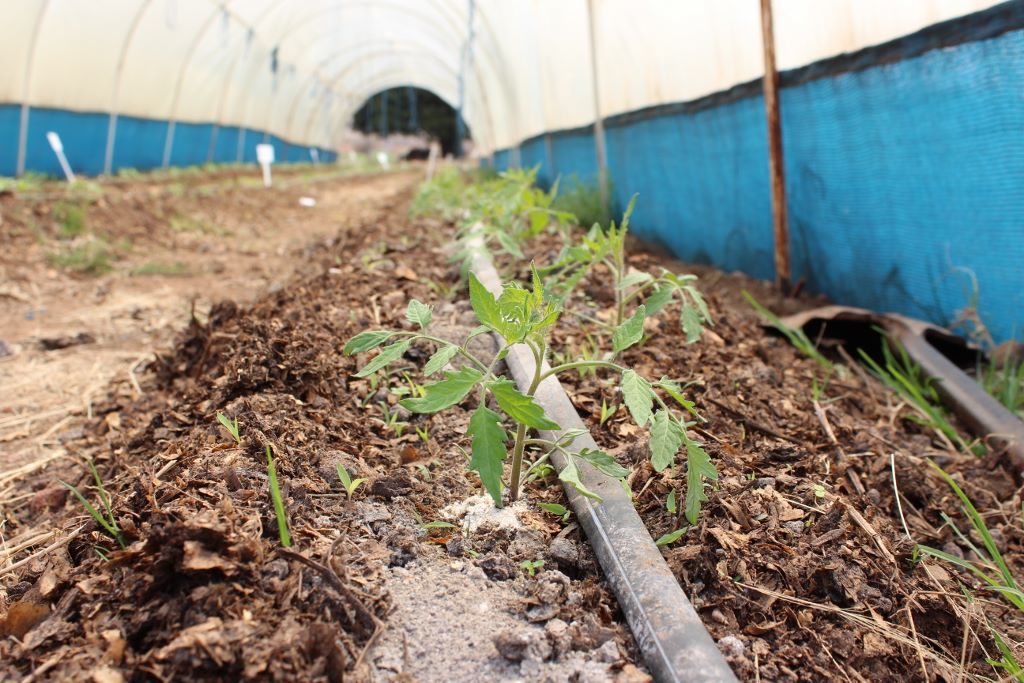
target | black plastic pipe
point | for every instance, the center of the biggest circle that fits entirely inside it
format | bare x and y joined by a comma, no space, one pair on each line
674,643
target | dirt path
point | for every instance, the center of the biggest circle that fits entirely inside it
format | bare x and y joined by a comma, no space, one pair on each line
181,249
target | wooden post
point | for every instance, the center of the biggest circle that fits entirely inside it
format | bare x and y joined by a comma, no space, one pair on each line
777,173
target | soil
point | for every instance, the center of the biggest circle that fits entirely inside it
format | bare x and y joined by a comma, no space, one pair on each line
800,564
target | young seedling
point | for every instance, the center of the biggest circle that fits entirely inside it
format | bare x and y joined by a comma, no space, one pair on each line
106,518
347,481
670,538
607,412
796,337
278,500
531,566
555,509
230,425
905,377
522,316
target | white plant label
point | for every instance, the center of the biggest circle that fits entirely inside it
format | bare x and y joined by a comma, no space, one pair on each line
382,159
315,156
58,148
265,157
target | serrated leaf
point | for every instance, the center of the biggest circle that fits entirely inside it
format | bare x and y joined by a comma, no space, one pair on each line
509,244
670,537
698,468
449,391
418,313
603,463
365,341
488,449
698,300
387,355
520,407
538,286
638,396
637,277
440,359
674,390
690,321
667,436
629,332
659,298
485,306
571,475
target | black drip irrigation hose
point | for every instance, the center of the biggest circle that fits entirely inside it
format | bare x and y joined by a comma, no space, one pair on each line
674,643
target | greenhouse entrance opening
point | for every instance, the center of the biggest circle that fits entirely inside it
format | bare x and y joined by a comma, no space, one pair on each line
414,116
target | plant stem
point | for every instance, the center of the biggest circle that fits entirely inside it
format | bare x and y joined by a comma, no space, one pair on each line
441,342
575,365
520,445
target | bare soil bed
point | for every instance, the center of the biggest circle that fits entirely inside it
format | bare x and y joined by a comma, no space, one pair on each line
800,565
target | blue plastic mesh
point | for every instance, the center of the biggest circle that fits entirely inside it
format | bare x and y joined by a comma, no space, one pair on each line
902,178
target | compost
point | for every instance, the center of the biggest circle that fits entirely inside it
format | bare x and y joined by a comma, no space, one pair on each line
800,566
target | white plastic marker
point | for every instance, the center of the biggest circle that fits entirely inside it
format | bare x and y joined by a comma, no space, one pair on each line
58,149
315,156
382,159
265,157
435,152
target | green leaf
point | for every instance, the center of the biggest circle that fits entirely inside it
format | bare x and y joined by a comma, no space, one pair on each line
509,243
659,298
638,396
485,306
690,321
365,341
441,358
387,355
629,332
603,462
419,313
488,449
553,508
670,537
637,277
538,221
674,390
667,435
698,468
278,500
538,286
519,407
571,475
698,300
449,391
437,525
670,502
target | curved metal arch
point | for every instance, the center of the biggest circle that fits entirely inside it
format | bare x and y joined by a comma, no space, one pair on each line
108,153
172,120
359,50
390,78
490,45
447,68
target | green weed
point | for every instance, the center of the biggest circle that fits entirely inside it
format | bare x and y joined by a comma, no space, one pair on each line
153,268
1005,382
70,220
275,496
796,337
347,481
531,566
231,425
583,200
106,518
91,256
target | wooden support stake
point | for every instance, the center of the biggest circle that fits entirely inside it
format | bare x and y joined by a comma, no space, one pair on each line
777,173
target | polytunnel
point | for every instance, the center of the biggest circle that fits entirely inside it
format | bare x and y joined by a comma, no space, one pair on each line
315,368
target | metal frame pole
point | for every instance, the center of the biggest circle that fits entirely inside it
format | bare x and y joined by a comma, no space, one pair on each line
599,141
780,221
30,59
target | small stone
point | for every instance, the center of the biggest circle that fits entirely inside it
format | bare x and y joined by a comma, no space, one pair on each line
455,546
373,512
951,548
796,527
731,646
539,613
631,674
558,635
874,497
564,552
499,567
520,645
607,653
764,483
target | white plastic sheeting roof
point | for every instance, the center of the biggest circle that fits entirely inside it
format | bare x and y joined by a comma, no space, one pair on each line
527,67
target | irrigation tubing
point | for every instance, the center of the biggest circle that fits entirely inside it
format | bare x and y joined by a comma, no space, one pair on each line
674,643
